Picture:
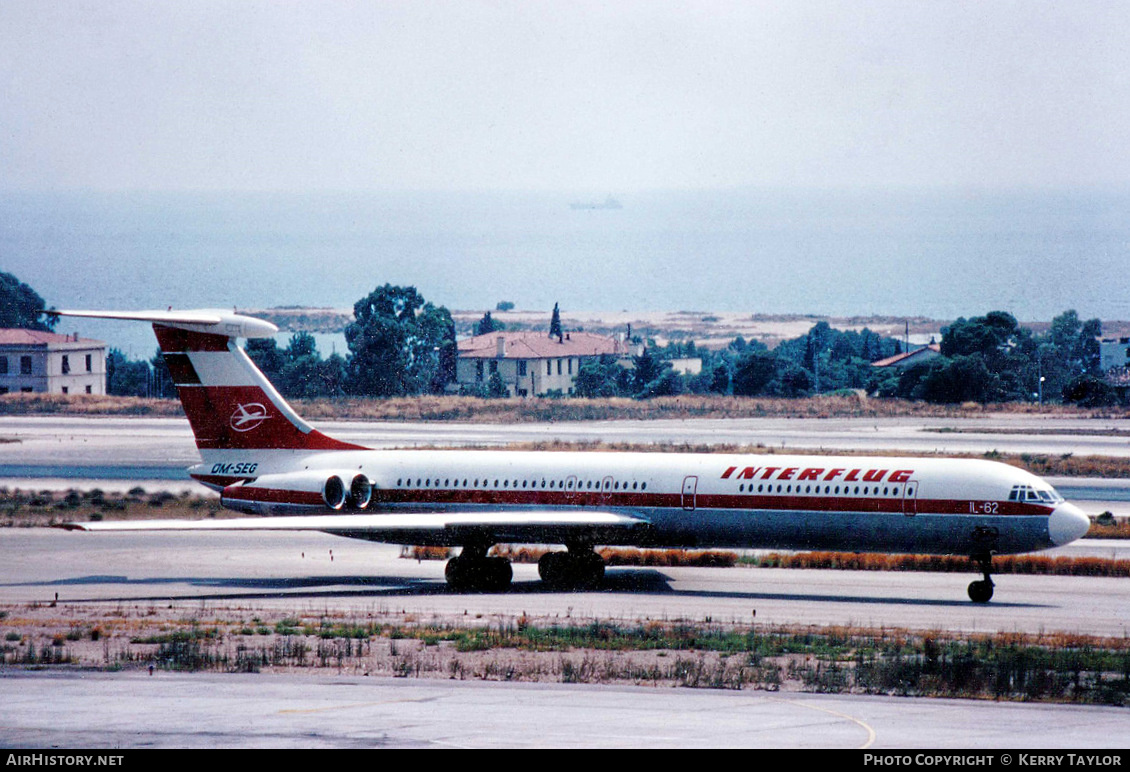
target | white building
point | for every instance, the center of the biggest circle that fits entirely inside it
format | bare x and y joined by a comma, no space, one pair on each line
531,363
44,362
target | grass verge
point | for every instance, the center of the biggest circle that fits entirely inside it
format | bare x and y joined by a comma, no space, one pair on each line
694,654
526,410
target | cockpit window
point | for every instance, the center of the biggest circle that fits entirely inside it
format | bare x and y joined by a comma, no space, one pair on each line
1028,493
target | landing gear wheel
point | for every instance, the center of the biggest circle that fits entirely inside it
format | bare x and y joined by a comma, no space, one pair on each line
478,574
571,570
981,591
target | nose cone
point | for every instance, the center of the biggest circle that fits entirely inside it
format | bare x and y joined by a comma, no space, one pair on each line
1066,524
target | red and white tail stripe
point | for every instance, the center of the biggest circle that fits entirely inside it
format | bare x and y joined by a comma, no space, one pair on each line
230,404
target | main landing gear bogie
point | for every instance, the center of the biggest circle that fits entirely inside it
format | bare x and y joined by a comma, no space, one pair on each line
573,570
475,572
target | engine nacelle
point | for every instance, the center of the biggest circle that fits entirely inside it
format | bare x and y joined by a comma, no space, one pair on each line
299,493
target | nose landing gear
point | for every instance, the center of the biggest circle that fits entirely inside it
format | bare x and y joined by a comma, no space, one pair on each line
981,591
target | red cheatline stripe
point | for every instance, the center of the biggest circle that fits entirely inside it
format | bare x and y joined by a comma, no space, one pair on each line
274,496
892,505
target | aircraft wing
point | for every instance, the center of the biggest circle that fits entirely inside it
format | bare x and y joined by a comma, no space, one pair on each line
539,526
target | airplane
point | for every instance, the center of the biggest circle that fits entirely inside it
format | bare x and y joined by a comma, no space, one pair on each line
267,461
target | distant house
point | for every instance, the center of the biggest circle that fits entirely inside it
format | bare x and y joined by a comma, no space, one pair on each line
910,358
1113,352
531,363
45,362
687,365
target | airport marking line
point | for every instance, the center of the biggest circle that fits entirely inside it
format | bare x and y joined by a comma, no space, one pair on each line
837,714
352,706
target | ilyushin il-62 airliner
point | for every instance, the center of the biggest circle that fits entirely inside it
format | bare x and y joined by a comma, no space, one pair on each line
267,461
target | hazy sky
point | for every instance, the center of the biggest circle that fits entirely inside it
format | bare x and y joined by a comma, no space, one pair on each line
611,96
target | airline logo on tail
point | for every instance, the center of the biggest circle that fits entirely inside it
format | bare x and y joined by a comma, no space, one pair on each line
247,417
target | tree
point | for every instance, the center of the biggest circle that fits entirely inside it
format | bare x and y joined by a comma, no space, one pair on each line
21,307
753,373
1089,391
668,384
487,325
648,367
961,379
299,375
987,335
264,352
720,380
126,377
601,376
434,351
555,324
399,344
495,387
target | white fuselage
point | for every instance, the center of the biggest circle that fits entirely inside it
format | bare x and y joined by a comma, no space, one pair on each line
947,506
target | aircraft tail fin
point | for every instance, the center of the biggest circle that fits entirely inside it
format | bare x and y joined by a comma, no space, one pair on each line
229,403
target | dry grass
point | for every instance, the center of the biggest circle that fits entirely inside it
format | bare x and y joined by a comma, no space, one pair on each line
29,508
85,404
473,409
518,410
1049,666
1002,564
1109,528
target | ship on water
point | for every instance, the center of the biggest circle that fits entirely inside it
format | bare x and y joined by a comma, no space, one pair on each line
608,203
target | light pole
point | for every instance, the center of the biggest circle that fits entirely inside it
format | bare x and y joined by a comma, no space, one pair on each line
1040,377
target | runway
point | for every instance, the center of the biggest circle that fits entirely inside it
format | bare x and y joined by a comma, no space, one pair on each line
171,710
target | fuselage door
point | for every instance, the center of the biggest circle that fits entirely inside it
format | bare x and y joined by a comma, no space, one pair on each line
572,488
606,489
910,498
690,486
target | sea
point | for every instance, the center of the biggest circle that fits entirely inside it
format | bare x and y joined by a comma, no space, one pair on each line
924,253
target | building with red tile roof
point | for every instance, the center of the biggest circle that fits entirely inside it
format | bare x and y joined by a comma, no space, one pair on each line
909,358
531,363
46,362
